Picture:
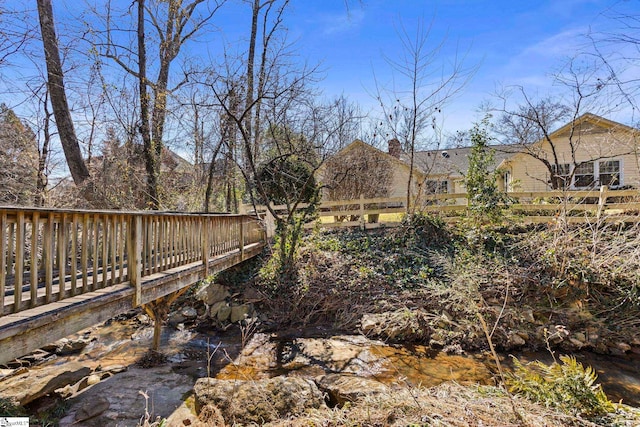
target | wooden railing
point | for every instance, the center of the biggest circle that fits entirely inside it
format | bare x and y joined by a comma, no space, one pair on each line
537,207
48,255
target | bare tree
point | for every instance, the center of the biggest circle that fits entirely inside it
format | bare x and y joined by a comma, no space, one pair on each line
18,160
58,97
43,153
348,176
16,32
421,89
529,126
617,53
174,24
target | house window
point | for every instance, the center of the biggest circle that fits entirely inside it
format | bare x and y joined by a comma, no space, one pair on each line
506,177
432,186
609,172
561,176
584,175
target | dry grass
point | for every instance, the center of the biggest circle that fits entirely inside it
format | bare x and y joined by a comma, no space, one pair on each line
449,404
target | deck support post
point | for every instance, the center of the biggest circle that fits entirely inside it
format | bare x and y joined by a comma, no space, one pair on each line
158,311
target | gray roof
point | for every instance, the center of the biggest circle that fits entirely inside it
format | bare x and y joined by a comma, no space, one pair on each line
455,161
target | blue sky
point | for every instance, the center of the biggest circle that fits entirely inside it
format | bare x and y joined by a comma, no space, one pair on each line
516,42
512,42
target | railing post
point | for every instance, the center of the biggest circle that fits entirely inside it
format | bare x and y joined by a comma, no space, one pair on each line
602,200
19,260
3,258
242,238
134,264
362,221
269,222
205,245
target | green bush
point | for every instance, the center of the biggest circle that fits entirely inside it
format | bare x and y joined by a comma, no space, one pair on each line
567,386
487,203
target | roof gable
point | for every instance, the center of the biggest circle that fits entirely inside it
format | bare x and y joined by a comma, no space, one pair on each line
589,124
359,144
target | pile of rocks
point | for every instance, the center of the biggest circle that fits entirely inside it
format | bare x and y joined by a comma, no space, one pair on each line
221,306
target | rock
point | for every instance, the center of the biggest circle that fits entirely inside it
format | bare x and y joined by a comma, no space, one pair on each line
210,415
176,318
81,385
515,340
114,369
370,322
25,388
576,343
166,391
6,372
528,316
36,357
92,408
348,388
580,336
258,401
239,313
189,313
93,379
623,347
212,293
223,313
185,415
212,311
65,346
397,325
251,294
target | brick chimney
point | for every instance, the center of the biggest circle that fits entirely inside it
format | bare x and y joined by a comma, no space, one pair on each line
394,148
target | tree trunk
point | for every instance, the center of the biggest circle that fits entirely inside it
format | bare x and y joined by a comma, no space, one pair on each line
42,181
250,67
149,151
55,83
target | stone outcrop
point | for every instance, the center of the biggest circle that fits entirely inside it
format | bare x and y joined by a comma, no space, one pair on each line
259,401
25,388
121,401
343,388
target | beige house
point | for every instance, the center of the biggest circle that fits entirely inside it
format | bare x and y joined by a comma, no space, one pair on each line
361,169
587,153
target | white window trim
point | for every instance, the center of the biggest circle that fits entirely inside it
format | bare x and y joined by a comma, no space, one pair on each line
596,173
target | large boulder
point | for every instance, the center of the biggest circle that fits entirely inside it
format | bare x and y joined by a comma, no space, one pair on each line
239,313
343,388
212,293
33,384
258,401
119,400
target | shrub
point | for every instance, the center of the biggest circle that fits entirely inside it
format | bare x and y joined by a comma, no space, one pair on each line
486,201
567,386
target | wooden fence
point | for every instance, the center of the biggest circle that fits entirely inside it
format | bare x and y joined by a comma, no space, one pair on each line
50,255
529,207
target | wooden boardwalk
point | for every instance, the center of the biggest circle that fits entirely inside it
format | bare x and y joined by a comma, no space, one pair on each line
62,271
